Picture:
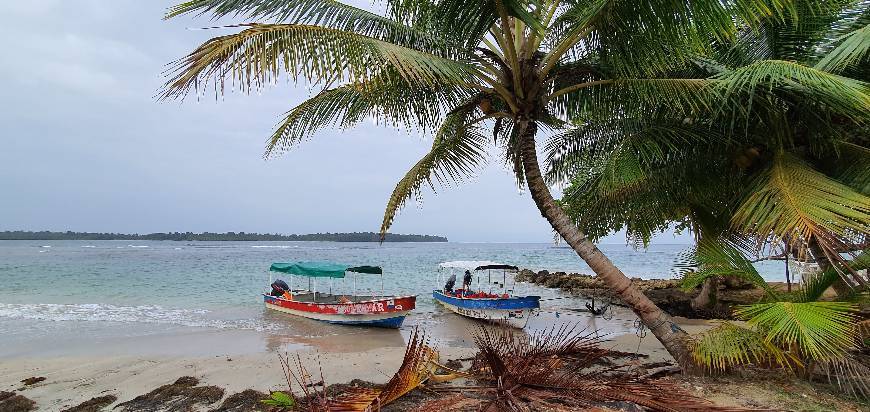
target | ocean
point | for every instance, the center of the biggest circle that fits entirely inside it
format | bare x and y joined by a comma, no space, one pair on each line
104,289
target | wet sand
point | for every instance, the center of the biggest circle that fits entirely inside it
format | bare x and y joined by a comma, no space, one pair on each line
239,360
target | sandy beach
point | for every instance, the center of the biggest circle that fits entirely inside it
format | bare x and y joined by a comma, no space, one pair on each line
239,360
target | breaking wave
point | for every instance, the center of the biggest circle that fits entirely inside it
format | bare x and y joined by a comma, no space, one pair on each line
97,312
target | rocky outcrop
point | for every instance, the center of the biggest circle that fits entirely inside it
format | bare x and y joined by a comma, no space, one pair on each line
666,293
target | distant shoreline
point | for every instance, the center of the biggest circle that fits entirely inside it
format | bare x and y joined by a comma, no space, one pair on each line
221,237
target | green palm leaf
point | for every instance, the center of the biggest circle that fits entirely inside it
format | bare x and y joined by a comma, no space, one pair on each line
458,150
853,48
259,54
762,80
818,330
718,257
729,345
791,199
324,13
387,99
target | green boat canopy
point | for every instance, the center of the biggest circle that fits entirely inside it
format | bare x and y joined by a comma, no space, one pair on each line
323,269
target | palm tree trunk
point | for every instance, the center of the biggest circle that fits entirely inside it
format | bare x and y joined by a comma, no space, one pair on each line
708,297
661,324
843,289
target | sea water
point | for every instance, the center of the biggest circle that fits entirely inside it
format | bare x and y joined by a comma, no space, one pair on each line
106,288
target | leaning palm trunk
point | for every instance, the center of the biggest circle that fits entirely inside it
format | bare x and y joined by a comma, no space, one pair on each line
660,323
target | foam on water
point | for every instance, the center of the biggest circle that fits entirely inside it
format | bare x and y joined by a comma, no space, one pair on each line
97,312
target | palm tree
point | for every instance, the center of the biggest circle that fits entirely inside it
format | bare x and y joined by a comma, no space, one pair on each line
473,74
776,155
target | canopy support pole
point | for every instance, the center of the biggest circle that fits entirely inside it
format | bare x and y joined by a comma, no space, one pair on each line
314,298
354,284
382,285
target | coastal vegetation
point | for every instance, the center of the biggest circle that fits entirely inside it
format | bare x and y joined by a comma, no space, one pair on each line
770,162
227,236
647,85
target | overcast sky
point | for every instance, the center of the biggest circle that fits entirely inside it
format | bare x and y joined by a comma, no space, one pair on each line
84,145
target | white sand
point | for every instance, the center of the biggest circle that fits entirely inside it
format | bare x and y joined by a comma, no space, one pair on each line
72,380
236,360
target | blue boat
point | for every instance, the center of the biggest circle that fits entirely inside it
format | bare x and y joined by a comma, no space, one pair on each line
497,304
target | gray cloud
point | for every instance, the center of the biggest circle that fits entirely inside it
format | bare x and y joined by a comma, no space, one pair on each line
85,146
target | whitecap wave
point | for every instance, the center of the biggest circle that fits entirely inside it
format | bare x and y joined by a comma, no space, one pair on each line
274,246
89,246
45,246
97,312
137,246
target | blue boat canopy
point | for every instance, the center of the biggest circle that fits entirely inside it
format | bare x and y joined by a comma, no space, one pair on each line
323,269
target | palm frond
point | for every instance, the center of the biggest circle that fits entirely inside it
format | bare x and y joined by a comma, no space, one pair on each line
325,13
851,50
631,97
417,366
458,150
555,368
258,55
818,330
638,38
814,286
717,257
791,199
388,99
852,165
762,80
728,346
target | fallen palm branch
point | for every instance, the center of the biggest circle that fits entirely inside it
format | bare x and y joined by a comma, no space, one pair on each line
554,369
559,369
418,365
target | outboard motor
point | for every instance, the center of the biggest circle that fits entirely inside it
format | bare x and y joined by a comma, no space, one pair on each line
448,287
279,287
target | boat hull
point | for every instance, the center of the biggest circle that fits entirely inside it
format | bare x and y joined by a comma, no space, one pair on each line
385,313
514,311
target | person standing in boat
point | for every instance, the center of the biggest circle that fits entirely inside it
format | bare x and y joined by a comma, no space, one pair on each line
466,281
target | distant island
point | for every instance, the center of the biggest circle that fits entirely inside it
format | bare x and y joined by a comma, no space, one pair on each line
228,236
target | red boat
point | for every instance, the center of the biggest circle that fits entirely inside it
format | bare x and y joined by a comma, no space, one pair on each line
380,311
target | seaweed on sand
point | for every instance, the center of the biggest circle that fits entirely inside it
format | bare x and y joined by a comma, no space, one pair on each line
12,402
182,395
95,404
244,401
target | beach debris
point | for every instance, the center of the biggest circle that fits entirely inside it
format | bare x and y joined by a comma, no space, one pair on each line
33,380
280,400
418,365
13,402
245,401
559,369
182,395
95,404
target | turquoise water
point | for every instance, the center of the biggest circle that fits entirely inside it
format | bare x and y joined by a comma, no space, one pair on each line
67,286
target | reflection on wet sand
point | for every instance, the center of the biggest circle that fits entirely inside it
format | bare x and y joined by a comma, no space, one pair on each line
325,337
